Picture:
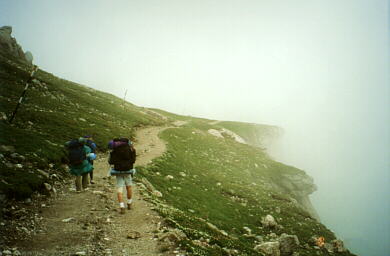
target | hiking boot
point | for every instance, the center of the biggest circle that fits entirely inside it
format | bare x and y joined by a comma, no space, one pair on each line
92,182
122,210
129,206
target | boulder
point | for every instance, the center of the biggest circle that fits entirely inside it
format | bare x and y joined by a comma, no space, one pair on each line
47,187
268,248
338,245
328,247
268,221
175,236
288,244
43,173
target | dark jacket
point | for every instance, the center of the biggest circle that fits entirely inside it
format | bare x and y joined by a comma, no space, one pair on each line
123,158
84,167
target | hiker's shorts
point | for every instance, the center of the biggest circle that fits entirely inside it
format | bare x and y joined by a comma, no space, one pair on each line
123,180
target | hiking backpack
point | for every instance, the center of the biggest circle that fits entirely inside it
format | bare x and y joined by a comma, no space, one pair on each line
117,142
123,155
76,153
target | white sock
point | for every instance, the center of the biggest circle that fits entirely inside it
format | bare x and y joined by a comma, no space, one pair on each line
129,201
122,204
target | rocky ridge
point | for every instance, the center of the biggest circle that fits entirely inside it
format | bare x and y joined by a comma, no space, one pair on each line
8,44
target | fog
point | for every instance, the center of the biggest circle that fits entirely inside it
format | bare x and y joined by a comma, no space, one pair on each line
318,69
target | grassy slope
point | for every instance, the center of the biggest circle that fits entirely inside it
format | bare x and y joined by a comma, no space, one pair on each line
49,116
245,173
229,185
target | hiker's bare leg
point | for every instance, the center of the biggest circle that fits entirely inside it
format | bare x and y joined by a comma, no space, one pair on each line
129,192
120,200
129,197
120,197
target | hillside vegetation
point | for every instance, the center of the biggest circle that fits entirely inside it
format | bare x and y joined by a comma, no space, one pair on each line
53,112
216,190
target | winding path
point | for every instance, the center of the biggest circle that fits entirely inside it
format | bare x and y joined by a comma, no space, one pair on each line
88,223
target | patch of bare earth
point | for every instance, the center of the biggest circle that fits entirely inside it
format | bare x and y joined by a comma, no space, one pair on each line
89,223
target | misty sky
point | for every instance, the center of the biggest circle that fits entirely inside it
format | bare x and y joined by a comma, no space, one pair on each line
318,69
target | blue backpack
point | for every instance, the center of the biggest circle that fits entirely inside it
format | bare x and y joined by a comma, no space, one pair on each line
76,152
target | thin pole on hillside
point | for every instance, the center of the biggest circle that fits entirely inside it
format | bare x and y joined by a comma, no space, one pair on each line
29,80
124,99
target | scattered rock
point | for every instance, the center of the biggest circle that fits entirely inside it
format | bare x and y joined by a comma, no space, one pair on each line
173,236
67,220
133,235
4,148
248,230
15,252
157,193
43,173
268,248
47,187
182,174
80,253
82,119
268,221
259,239
328,247
169,177
288,244
7,252
338,245
3,116
18,157
213,227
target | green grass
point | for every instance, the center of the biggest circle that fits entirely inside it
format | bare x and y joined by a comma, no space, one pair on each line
227,184
51,114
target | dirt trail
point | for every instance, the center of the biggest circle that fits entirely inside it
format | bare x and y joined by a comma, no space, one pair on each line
89,223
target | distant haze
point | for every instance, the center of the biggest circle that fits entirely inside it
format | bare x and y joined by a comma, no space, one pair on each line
318,69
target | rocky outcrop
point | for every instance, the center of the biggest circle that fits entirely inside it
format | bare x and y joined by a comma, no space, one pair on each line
9,46
300,186
29,57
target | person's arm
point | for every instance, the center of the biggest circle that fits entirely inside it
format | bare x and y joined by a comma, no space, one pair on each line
110,158
93,144
134,154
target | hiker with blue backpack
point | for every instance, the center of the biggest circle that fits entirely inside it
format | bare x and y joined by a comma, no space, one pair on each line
79,156
91,144
123,157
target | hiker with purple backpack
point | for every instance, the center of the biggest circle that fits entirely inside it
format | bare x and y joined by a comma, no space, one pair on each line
123,157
